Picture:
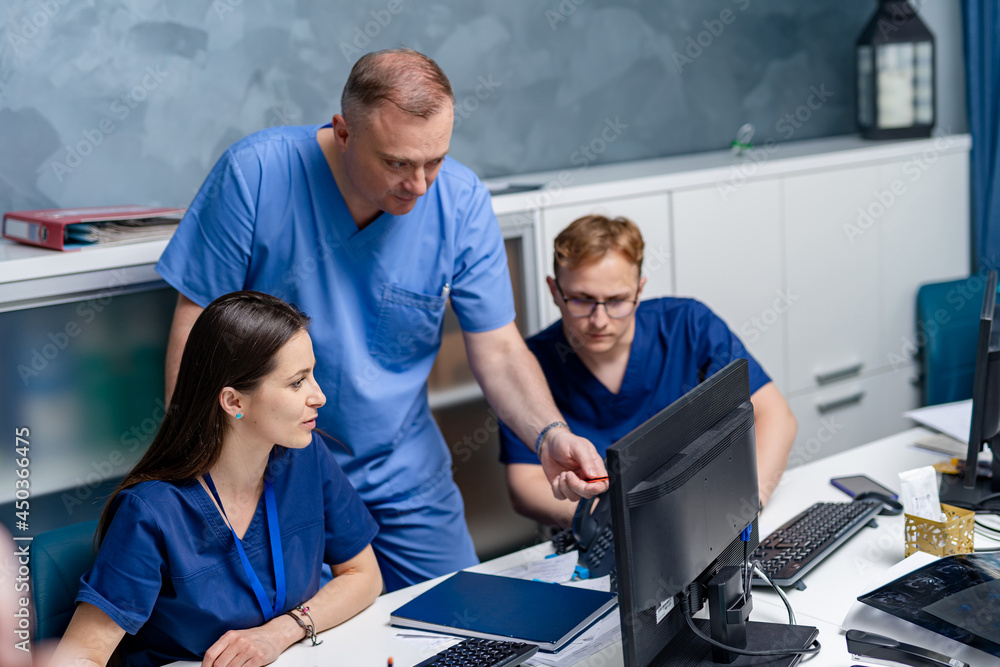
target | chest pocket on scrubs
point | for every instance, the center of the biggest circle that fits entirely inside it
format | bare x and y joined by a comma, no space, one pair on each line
408,327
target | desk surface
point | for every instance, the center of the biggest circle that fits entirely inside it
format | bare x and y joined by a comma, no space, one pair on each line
831,589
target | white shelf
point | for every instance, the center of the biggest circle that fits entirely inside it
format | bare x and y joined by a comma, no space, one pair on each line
579,185
22,262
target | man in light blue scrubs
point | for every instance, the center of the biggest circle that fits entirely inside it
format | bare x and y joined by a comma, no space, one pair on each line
369,228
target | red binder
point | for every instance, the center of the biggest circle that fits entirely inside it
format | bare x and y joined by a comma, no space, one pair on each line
64,229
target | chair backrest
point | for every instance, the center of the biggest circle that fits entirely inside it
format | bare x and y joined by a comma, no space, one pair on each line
948,322
59,558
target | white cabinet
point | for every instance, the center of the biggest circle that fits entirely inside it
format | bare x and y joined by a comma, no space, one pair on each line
650,212
925,238
728,253
833,325
851,413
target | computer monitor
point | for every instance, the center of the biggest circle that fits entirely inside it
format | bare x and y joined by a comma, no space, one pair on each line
684,498
971,489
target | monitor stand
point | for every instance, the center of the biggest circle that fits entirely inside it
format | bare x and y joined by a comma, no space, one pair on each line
689,650
953,491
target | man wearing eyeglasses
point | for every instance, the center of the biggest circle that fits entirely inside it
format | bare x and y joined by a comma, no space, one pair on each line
613,362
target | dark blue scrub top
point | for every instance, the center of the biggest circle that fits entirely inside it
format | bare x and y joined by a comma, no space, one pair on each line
168,571
678,343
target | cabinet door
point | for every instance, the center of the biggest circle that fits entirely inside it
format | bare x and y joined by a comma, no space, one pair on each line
649,212
834,322
852,412
925,231
729,254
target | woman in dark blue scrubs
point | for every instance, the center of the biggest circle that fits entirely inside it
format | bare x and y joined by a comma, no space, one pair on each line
211,548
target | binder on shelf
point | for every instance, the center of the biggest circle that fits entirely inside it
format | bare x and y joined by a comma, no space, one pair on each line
495,607
72,229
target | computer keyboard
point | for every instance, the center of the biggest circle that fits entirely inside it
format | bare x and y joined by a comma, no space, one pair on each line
482,653
788,553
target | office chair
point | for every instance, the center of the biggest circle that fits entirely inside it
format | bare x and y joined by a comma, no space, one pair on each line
948,318
59,558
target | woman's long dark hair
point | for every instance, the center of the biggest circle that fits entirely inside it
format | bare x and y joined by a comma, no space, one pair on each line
233,343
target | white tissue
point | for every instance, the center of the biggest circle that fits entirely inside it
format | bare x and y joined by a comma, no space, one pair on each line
918,491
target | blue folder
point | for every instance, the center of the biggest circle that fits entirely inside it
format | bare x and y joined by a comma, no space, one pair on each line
494,607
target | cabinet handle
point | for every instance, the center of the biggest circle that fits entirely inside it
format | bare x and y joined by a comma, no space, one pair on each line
832,376
838,403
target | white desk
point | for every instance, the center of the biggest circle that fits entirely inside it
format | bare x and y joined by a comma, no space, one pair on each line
368,639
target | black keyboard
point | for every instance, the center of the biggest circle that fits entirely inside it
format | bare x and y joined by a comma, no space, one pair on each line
788,553
482,653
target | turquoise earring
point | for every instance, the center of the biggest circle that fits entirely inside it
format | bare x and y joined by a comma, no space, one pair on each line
239,415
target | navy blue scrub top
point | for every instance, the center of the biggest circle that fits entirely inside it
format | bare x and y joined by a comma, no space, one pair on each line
678,343
168,571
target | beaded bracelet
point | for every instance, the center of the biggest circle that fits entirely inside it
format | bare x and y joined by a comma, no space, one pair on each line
310,628
541,436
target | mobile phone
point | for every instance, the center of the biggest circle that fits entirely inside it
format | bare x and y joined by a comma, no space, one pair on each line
852,485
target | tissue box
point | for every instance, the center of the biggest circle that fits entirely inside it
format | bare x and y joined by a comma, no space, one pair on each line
941,538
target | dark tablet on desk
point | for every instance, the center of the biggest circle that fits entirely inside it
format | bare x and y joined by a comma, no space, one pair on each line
920,596
494,607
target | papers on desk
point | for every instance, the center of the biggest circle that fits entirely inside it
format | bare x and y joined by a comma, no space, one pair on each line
952,419
596,638
555,569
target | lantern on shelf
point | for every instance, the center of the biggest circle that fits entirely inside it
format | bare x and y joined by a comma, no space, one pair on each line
895,59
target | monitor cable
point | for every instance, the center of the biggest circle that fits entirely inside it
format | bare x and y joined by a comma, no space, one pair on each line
777,589
814,648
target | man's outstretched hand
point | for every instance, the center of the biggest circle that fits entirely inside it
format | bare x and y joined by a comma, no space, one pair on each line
568,461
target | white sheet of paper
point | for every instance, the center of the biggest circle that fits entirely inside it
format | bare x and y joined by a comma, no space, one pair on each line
426,641
954,419
599,584
596,638
557,569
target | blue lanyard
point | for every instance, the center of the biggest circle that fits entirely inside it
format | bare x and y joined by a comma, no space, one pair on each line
279,562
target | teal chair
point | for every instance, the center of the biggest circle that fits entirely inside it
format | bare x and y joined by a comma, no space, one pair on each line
948,317
59,558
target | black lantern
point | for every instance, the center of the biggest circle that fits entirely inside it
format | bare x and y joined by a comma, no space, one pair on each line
895,56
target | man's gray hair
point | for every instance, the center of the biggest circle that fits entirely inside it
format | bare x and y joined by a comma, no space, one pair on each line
403,77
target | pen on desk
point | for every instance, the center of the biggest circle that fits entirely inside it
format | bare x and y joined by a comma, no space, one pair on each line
390,662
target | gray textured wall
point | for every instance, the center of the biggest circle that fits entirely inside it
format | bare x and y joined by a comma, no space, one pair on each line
120,101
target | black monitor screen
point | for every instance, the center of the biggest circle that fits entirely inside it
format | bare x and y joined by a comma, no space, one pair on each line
683,490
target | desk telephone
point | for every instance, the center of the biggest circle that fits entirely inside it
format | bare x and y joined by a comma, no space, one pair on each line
591,534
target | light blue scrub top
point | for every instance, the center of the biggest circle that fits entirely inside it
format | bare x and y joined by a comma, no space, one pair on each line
271,218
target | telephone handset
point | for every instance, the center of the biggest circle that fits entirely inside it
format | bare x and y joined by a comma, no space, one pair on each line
593,534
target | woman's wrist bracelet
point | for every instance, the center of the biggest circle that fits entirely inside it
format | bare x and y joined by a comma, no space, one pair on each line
541,436
310,627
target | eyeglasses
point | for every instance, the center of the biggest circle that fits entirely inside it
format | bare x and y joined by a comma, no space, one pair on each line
617,309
